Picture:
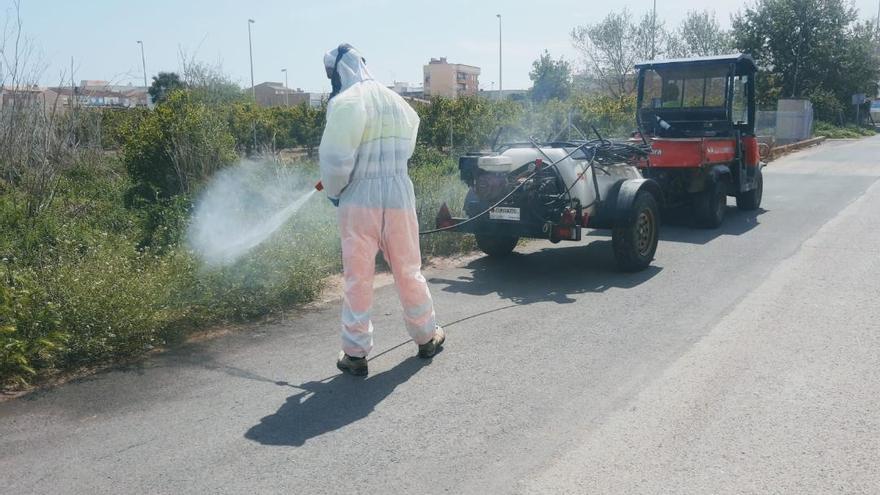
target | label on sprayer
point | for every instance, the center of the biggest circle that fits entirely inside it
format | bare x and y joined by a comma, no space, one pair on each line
504,213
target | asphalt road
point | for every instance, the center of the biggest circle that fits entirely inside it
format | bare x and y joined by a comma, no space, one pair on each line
746,360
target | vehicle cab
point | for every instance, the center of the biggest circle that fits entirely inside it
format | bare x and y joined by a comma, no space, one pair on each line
698,115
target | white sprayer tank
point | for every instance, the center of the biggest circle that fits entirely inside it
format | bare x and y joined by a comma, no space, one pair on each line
571,169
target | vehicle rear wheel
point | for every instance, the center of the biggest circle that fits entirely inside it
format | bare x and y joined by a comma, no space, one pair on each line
635,241
751,200
496,246
710,205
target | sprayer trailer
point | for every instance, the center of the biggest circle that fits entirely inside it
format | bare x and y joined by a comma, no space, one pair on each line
555,190
698,116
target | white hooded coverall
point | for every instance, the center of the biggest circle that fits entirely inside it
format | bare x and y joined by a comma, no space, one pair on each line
369,137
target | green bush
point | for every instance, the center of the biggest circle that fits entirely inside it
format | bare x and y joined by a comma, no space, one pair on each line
826,105
849,131
113,299
29,329
435,180
179,144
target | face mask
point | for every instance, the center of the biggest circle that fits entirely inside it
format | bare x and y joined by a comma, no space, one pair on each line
335,79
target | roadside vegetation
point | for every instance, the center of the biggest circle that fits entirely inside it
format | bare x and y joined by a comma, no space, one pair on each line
94,205
850,131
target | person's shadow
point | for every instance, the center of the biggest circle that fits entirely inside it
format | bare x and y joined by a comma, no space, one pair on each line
327,406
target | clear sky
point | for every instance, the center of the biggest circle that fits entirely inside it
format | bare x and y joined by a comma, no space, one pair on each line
396,37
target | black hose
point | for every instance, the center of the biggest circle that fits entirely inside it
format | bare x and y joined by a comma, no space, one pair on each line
487,210
515,189
604,152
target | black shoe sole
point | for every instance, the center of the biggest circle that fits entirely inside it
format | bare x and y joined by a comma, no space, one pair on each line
352,371
428,354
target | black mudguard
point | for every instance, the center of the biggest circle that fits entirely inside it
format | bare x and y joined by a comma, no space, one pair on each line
620,199
717,172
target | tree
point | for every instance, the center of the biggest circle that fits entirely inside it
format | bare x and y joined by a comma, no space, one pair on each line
163,84
651,39
208,83
701,35
551,79
612,47
808,46
608,50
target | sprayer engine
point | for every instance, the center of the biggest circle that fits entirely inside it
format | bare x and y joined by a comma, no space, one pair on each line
533,189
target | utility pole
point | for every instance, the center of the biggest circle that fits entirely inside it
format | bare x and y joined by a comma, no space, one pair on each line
253,88
251,52
286,93
500,86
144,66
143,62
654,31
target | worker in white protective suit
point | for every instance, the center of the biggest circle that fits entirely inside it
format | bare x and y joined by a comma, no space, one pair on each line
370,135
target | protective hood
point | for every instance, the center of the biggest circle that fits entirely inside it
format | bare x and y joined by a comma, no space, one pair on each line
345,70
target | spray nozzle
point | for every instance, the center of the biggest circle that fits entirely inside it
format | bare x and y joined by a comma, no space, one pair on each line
319,186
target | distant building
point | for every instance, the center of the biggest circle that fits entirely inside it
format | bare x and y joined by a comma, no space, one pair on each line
450,80
274,94
90,94
107,96
407,89
93,83
21,97
31,97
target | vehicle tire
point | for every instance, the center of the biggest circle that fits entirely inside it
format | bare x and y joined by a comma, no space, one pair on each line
635,241
496,246
751,200
710,205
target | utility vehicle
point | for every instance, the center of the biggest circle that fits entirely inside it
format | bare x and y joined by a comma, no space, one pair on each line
553,190
698,116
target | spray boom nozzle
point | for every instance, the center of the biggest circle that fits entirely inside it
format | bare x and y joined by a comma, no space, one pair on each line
319,186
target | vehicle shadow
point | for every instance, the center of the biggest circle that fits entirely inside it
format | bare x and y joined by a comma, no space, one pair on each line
553,274
679,225
325,406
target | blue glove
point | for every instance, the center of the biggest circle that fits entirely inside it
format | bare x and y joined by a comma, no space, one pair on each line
335,201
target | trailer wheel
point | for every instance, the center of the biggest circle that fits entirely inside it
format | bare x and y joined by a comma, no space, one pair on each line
751,200
635,240
710,205
496,246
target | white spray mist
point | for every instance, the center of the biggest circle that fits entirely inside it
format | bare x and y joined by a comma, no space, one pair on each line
242,207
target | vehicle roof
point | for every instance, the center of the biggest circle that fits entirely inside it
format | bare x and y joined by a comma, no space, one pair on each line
737,58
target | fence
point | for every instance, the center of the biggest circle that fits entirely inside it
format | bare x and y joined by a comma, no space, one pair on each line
790,123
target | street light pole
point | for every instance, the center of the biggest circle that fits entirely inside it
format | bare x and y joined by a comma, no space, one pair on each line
286,94
143,62
654,31
500,86
251,52
253,88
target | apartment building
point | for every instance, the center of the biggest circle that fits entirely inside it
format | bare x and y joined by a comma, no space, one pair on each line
450,80
275,94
